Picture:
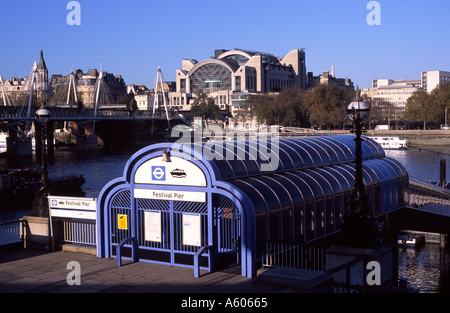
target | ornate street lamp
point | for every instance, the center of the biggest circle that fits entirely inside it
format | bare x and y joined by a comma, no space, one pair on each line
360,228
40,207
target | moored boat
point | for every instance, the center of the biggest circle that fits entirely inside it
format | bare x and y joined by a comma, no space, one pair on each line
391,143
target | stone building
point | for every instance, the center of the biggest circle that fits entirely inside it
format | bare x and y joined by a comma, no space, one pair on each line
112,88
328,78
17,89
232,75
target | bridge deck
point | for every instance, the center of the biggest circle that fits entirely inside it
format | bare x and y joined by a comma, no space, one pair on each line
15,113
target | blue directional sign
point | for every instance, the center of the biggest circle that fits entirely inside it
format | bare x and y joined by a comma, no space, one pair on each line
159,173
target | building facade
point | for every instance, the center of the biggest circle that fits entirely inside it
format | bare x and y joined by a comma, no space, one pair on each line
328,78
15,91
433,79
232,75
390,96
112,88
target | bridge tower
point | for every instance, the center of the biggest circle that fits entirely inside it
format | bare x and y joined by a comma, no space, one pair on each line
7,101
160,91
18,142
72,86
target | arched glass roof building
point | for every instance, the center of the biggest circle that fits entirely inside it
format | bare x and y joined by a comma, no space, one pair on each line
232,75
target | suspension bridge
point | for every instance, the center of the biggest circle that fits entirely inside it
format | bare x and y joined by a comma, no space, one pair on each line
112,122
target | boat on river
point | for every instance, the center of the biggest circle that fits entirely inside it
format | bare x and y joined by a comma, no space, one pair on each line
391,143
3,137
407,239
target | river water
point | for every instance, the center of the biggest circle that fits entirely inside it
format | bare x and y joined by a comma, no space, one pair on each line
426,268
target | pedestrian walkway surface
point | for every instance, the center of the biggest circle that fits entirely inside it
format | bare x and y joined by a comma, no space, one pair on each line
49,272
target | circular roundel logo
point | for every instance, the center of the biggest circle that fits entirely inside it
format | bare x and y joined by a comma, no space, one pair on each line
159,173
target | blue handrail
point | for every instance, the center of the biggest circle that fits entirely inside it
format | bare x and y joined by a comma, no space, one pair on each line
196,262
134,250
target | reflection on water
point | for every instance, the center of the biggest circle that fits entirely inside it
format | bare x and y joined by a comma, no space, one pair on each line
423,163
426,268
98,167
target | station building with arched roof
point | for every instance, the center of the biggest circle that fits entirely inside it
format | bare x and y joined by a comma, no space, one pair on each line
214,202
231,75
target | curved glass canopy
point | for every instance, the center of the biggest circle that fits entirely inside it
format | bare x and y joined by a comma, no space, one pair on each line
237,159
300,187
304,191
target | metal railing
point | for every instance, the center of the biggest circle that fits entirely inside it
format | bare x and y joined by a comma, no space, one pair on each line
58,113
71,231
292,255
11,232
349,277
79,232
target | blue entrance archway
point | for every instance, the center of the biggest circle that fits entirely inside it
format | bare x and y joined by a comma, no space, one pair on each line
173,210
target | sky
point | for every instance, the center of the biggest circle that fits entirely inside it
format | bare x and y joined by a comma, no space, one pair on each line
132,38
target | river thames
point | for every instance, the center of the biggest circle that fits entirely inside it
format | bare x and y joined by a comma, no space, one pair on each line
426,268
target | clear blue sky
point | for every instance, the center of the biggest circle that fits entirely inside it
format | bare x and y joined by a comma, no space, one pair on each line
134,37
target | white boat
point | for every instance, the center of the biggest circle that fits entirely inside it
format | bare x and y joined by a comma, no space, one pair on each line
391,143
3,137
406,240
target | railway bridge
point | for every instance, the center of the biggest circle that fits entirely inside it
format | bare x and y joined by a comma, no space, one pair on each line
113,124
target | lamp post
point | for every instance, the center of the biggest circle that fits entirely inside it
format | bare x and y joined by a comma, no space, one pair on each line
40,207
359,228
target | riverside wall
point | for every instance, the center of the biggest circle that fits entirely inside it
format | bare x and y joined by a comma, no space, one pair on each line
417,138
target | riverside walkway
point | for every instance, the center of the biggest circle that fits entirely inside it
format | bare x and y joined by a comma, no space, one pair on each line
32,271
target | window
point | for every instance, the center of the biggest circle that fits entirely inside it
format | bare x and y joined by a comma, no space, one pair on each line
238,83
211,76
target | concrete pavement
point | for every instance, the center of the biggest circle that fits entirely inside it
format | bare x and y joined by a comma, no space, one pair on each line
31,271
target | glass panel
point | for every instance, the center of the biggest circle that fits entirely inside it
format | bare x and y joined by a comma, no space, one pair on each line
210,77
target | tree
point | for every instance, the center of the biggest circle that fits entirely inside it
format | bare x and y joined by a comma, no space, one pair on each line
265,107
294,112
132,106
440,98
286,108
429,108
327,105
414,106
419,108
205,107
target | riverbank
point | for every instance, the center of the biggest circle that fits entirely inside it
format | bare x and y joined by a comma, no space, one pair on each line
416,138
